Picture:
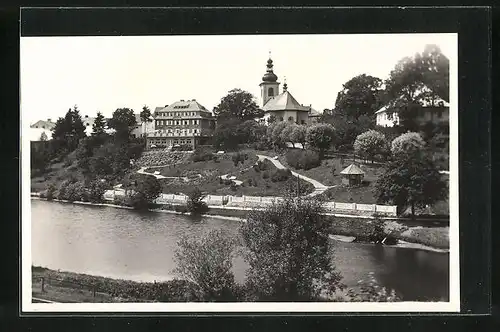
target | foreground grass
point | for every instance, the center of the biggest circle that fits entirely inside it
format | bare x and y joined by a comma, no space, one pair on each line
77,287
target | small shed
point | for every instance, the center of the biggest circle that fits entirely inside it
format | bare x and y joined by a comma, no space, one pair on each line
352,175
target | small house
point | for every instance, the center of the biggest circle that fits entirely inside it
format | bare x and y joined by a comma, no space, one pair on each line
352,175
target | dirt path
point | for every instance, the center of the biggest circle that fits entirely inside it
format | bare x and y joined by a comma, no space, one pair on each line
319,188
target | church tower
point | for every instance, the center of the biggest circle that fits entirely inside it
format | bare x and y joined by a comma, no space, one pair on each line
269,86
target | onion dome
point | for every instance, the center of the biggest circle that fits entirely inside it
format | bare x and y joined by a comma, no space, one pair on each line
269,76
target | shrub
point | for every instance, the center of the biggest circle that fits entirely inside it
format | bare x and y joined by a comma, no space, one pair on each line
51,189
239,157
407,143
202,154
281,175
181,209
303,159
208,262
121,200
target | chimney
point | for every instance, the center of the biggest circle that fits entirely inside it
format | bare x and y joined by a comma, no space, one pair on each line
49,120
166,105
86,116
182,99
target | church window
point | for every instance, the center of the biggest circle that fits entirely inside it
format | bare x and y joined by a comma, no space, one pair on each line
270,92
302,122
281,118
290,118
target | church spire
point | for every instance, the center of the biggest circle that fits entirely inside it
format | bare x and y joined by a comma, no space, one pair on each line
285,86
269,76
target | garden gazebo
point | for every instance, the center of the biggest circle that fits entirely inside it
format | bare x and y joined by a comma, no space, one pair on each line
352,175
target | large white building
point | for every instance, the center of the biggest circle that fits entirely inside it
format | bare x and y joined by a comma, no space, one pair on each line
435,111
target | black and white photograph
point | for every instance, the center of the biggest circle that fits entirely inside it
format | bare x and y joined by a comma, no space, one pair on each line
220,173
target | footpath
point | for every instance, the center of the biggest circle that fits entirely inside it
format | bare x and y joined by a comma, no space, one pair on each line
319,188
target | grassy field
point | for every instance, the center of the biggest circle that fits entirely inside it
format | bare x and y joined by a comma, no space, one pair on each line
68,287
254,183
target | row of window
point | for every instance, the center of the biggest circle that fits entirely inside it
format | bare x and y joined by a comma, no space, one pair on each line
176,141
171,131
177,113
177,122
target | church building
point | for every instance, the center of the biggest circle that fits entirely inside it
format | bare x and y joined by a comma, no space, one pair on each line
282,106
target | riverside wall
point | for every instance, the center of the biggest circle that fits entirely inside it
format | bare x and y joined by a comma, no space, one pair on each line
256,202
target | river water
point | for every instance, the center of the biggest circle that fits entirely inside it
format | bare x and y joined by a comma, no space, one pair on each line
133,245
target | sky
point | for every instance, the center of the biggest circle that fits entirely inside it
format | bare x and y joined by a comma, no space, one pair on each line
106,73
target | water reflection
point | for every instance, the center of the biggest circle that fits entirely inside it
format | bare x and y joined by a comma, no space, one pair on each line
140,246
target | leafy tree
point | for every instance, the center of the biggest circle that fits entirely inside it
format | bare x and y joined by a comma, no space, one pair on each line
123,122
238,104
321,136
415,80
250,131
407,143
348,128
289,253
276,137
99,126
43,137
359,96
225,136
370,144
145,114
286,133
40,158
195,204
149,186
208,262
411,180
298,135
102,160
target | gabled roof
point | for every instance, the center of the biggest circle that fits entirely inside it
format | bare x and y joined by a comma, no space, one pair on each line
184,105
43,124
313,112
425,102
284,102
352,169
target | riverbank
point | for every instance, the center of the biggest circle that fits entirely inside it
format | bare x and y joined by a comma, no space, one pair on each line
424,238
70,287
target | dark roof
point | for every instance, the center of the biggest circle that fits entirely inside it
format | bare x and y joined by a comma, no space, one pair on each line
183,105
352,169
284,102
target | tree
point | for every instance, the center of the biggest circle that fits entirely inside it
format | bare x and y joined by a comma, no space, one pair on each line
411,180
43,137
321,136
289,253
347,128
275,134
99,126
407,143
123,122
208,263
68,131
145,114
286,133
370,144
225,136
238,104
298,135
195,203
359,96
423,78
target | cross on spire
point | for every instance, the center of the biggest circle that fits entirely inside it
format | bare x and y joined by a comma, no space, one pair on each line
285,86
